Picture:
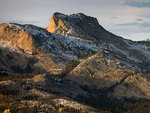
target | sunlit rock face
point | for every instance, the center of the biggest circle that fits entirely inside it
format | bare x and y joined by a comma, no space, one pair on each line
57,23
17,37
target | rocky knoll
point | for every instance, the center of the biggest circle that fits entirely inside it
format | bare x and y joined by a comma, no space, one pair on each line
99,72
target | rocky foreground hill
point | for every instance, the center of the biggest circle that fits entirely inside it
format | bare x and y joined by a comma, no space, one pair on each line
74,65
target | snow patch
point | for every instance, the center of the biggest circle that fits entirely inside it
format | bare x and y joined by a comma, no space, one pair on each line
69,103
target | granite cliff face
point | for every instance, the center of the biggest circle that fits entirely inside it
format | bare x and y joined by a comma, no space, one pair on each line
16,37
56,24
74,58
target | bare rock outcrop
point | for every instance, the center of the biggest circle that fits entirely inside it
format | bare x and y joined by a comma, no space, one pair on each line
16,37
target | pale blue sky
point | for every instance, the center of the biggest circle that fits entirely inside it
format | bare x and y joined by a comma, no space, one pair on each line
127,18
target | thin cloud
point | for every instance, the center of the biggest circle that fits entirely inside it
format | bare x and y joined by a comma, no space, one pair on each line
145,16
114,17
128,24
139,20
143,24
139,4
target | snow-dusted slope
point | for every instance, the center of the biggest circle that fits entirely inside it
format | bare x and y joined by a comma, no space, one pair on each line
36,43
74,37
131,54
61,47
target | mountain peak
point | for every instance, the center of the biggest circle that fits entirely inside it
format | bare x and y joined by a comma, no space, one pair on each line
75,25
79,15
58,15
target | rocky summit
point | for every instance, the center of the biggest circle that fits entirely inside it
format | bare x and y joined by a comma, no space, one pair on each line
74,65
